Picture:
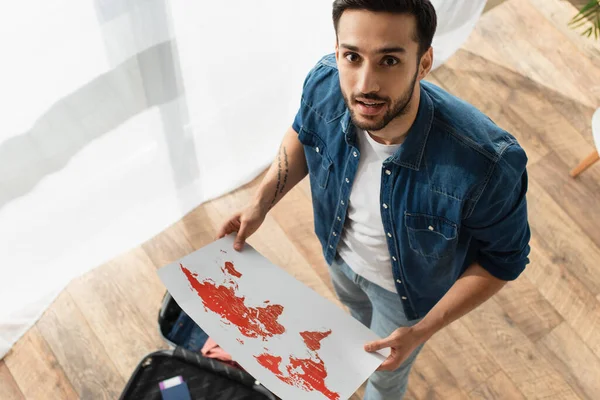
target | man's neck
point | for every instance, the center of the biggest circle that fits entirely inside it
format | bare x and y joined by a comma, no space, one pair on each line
396,131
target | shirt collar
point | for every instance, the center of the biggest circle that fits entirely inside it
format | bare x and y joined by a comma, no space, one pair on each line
411,152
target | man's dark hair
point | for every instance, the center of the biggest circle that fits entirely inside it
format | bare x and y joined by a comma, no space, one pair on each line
422,10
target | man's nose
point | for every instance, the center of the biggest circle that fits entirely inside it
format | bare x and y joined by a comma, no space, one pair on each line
367,82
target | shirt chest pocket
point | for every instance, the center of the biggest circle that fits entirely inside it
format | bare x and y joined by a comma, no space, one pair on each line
318,161
431,236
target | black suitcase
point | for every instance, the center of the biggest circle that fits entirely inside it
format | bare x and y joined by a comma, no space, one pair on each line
206,378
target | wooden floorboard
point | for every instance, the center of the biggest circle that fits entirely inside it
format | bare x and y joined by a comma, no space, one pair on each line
9,390
536,339
37,371
529,370
199,227
419,388
497,387
124,295
527,43
527,308
573,359
559,13
170,245
440,383
555,231
571,195
78,350
464,356
568,295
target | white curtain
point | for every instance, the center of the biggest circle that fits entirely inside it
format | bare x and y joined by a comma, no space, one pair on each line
121,116
456,20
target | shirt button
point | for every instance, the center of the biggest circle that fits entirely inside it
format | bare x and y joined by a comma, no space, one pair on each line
430,228
334,234
394,258
330,246
389,234
398,280
317,149
355,154
342,202
339,219
347,180
403,298
388,172
384,205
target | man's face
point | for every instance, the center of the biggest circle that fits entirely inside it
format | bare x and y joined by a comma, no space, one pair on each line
377,57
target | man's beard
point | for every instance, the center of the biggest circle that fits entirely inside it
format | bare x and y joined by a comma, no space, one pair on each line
397,109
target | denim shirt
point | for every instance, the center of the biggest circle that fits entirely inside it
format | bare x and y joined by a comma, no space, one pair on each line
452,195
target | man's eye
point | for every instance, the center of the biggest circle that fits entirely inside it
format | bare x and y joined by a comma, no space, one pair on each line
390,61
352,57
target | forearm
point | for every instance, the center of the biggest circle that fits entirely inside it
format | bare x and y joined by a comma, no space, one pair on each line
288,168
471,290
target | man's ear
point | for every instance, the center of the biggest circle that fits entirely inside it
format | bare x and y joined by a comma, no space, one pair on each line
426,63
337,51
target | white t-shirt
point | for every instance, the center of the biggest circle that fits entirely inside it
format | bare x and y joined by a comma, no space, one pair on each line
363,245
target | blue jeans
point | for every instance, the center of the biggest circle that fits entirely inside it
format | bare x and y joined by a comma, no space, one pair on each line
187,334
382,312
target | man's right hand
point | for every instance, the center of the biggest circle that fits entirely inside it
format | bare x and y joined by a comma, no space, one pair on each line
245,223
276,183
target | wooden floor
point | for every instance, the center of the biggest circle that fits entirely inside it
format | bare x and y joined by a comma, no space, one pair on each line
538,338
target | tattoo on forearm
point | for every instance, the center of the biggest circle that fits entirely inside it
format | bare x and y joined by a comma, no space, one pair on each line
287,169
280,186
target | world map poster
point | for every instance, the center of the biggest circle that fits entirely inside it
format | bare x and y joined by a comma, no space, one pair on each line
295,342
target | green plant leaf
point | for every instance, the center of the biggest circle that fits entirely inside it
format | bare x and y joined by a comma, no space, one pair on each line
583,14
589,16
580,24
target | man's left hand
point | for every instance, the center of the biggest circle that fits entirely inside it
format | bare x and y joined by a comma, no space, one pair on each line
403,341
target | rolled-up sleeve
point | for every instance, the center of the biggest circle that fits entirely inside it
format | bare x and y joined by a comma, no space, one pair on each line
498,222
